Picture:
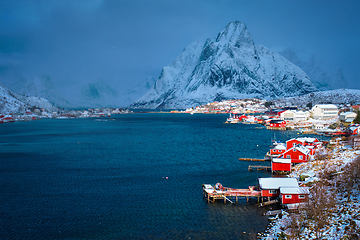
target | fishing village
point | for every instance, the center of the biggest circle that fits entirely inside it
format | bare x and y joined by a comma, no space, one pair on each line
306,171
314,187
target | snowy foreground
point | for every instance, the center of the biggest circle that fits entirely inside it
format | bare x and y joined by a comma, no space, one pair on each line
335,209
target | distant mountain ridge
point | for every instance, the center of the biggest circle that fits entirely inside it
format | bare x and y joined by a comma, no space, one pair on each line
228,67
323,77
41,86
80,95
12,102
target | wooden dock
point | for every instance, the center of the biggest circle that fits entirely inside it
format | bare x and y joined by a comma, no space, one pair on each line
259,167
267,203
253,159
276,128
213,193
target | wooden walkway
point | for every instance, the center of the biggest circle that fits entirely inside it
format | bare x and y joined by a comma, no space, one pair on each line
276,128
259,167
267,203
212,194
253,159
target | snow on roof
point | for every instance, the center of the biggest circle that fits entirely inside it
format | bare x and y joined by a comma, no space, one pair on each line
326,106
276,183
299,148
281,160
280,146
347,113
302,149
294,190
306,139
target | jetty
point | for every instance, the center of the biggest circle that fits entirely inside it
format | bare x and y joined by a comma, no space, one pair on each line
218,192
259,167
253,159
267,203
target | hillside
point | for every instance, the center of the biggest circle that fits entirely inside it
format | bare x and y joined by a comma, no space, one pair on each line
339,96
12,102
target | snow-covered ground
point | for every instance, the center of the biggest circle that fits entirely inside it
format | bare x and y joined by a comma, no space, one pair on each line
338,96
343,220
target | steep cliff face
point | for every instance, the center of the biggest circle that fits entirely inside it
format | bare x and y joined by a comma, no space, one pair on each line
230,66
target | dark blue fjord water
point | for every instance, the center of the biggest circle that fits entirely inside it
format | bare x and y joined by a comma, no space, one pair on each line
106,178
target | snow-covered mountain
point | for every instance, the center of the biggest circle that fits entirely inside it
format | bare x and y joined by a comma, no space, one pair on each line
12,102
41,86
81,95
228,67
339,96
324,77
137,91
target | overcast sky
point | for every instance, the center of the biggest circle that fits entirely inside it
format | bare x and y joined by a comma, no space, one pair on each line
124,41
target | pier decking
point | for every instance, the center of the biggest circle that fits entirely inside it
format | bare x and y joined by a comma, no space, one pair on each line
259,167
213,193
253,159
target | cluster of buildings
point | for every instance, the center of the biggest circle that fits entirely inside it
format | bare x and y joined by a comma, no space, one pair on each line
283,156
296,150
37,114
234,106
269,190
320,119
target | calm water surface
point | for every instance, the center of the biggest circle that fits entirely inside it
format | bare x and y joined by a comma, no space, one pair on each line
134,176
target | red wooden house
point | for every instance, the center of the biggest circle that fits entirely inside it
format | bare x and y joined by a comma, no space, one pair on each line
7,119
270,187
305,141
292,197
277,123
297,154
242,117
277,150
281,164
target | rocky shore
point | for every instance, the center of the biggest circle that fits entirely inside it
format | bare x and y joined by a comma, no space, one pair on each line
333,209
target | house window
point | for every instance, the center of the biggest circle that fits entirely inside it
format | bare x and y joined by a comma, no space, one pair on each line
294,144
301,157
301,196
288,196
273,191
294,150
288,156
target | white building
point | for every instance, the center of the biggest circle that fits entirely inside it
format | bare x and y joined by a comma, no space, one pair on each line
347,116
296,116
324,111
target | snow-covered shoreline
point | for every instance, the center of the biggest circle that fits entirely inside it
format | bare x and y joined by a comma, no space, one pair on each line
343,220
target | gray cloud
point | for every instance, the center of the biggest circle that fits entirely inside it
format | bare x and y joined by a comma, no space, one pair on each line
122,42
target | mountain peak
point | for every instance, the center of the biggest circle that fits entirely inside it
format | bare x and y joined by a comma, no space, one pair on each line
236,34
231,66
